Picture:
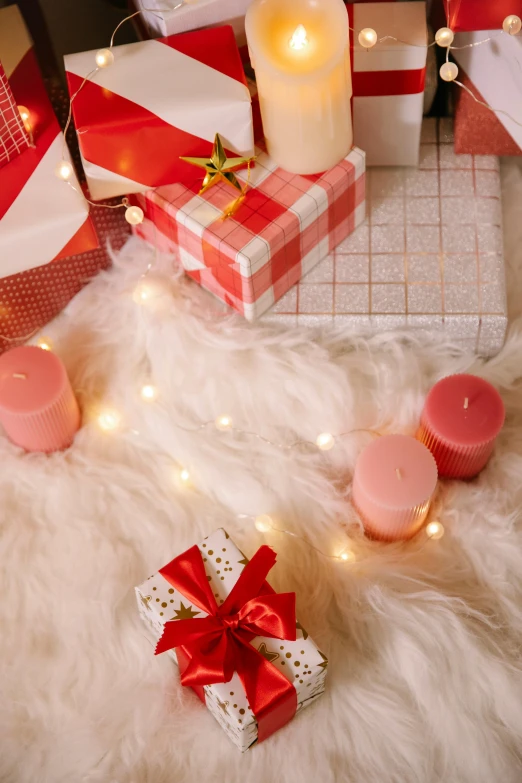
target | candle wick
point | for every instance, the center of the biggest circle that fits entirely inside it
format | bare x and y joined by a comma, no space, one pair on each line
399,474
19,375
466,403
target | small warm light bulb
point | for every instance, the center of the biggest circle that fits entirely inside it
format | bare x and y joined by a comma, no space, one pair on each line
44,343
26,117
367,37
141,293
325,441
184,475
104,58
512,24
449,72
444,37
263,523
299,39
148,392
347,556
109,420
223,423
134,215
434,530
64,170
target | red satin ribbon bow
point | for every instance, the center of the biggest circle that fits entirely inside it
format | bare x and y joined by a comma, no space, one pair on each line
219,645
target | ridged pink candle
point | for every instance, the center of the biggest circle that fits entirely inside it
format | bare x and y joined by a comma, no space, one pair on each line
38,409
460,422
393,485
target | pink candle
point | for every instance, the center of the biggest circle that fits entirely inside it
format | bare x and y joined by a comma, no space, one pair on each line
461,419
393,484
38,408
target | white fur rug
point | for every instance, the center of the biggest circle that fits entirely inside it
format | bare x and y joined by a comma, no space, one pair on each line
425,675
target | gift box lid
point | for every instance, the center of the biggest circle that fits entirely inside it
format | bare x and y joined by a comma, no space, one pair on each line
160,99
300,660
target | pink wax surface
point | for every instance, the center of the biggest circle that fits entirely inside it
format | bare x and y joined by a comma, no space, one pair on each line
462,417
394,480
38,408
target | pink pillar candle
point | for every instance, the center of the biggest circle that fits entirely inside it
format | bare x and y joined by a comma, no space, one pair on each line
461,419
393,484
38,408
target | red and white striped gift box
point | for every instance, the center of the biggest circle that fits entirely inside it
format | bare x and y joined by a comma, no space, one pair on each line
41,218
14,139
157,101
388,81
285,226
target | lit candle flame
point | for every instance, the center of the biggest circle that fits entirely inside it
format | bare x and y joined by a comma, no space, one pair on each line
299,39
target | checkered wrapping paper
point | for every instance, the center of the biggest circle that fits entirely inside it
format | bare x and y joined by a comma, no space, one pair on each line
429,256
13,136
285,226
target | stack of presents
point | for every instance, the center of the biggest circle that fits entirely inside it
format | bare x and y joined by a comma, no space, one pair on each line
405,231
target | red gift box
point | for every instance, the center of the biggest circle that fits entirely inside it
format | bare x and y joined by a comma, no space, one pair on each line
286,224
41,217
49,246
470,15
477,129
157,101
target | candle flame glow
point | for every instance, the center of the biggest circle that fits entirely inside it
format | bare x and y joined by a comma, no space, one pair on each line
299,39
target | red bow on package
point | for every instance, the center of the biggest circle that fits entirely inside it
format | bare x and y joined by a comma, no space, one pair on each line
219,645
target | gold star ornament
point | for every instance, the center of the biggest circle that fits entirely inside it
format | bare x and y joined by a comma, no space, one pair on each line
218,167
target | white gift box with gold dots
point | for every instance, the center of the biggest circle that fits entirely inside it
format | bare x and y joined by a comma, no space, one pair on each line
300,661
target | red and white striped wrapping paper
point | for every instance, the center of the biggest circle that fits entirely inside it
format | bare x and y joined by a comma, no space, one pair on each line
42,218
388,81
13,136
157,101
285,226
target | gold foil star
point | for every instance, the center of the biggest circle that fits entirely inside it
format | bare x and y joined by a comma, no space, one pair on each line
145,600
223,706
324,664
184,612
299,627
265,652
219,167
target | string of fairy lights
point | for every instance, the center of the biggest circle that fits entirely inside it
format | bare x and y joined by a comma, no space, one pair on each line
367,37
111,421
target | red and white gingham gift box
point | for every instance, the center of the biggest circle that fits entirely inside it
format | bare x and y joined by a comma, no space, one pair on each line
285,226
157,101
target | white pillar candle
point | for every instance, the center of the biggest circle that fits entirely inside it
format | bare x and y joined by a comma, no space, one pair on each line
300,52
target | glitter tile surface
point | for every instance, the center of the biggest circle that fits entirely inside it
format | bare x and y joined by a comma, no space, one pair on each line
428,260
